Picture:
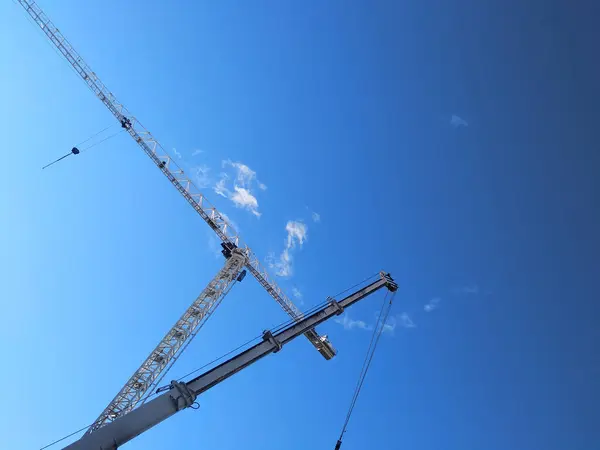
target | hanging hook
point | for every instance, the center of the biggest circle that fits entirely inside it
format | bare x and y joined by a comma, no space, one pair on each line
74,151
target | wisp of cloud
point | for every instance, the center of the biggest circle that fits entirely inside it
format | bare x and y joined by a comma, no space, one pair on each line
350,324
433,304
457,121
297,233
241,192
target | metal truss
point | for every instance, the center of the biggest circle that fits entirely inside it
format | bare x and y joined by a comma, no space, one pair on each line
154,368
146,379
171,170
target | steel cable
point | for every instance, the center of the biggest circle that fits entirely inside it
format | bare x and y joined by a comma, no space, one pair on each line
377,332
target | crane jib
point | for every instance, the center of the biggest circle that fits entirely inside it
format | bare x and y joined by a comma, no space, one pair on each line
137,388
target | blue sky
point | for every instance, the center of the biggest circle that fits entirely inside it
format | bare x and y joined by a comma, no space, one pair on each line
450,144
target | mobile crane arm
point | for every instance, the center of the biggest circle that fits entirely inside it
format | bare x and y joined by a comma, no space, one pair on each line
183,394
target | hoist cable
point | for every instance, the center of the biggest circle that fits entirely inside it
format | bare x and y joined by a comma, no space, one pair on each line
273,330
320,305
356,285
76,151
68,436
94,135
377,332
168,386
101,141
374,337
245,344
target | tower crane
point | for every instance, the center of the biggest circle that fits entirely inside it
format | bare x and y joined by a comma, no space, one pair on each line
238,255
182,395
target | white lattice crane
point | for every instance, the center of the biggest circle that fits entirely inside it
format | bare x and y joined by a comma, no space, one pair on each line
238,255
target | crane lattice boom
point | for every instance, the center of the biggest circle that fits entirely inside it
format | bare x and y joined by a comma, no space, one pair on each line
148,376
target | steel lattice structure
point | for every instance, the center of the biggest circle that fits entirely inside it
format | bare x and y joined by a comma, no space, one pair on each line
146,379
135,390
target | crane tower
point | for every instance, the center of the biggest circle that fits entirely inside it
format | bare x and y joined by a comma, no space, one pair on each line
238,255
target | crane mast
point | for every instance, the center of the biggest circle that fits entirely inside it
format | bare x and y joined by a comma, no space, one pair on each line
168,167
135,389
147,377
182,395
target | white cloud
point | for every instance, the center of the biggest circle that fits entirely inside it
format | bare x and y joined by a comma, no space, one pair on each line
390,325
230,222
272,261
387,328
214,245
316,217
298,295
176,153
406,321
433,304
201,176
245,176
283,266
470,289
197,152
457,121
221,189
241,192
242,198
297,233
350,324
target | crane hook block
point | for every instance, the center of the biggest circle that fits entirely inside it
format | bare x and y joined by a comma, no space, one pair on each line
75,151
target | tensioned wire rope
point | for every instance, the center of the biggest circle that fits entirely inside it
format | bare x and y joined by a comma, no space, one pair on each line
76,150
377,332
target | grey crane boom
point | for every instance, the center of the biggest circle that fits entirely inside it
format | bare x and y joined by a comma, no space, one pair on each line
183,394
